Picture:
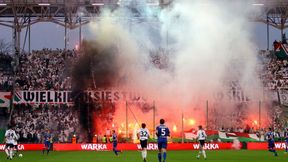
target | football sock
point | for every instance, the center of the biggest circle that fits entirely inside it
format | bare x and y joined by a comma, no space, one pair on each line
7,152
11,154
116,151
164,156
143,154
159,157
204,153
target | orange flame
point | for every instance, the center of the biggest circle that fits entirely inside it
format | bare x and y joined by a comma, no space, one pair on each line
174,128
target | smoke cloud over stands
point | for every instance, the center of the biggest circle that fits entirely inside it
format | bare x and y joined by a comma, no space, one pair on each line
179,56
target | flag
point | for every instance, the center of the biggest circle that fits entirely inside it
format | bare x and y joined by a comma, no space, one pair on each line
214,135
5,98
281,51
17,97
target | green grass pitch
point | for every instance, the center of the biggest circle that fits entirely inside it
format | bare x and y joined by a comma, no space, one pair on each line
135,156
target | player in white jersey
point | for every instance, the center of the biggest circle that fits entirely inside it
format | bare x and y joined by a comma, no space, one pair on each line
143,134
201,136
9,138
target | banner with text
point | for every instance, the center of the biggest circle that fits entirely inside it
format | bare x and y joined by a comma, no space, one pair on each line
65,97
151,146
122,146
43,97
264,145
25,147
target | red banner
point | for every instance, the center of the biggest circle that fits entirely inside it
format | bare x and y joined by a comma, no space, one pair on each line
30,147
124,146
80,147
151,146
264,145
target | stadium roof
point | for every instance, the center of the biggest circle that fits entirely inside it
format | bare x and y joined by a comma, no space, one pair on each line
276,11
57,11
71,14
273,12
19,14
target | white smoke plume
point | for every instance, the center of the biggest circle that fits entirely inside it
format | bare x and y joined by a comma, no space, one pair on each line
206,46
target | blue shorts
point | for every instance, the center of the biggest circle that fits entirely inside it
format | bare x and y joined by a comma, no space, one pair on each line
162,144
271,144
115,144
47,144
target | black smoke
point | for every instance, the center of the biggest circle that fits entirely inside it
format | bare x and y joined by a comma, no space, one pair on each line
96,68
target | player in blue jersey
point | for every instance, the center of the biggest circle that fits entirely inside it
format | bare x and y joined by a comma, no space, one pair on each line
286,140
115,143
47,142
271,142
162,132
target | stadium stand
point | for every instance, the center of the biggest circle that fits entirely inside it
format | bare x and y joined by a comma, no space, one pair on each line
31,122
52,73
5,72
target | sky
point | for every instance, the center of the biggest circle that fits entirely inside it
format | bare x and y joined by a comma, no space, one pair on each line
50,35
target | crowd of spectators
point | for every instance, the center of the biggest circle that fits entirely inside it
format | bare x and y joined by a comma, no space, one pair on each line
44,70
49,70
5,72
275,69
275,75
32,122
40,70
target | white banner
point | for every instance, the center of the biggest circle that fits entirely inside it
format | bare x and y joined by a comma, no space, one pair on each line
43,97
65,97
